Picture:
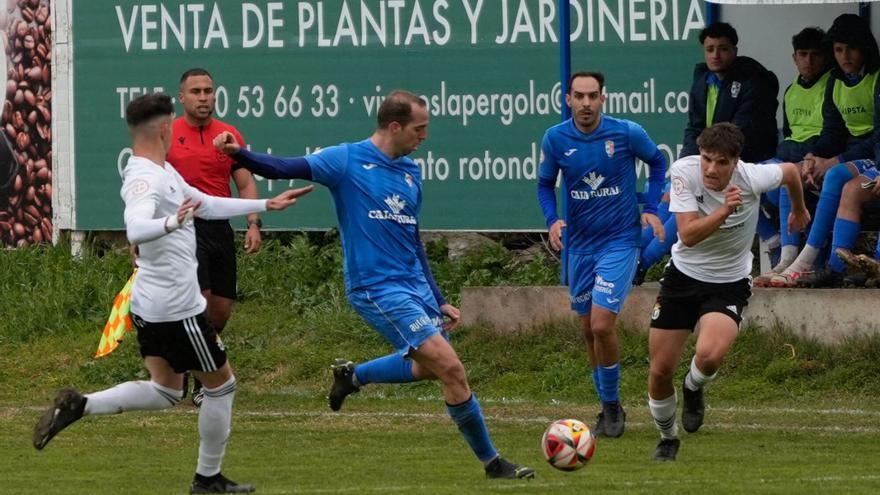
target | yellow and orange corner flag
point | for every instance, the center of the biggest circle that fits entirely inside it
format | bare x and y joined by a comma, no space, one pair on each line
119,322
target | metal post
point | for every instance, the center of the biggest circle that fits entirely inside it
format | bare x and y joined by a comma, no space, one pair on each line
564,54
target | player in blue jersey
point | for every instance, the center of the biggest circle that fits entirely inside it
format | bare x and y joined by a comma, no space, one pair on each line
600,231
377,191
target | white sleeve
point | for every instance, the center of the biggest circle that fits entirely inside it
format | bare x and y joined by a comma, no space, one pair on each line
213,207
682,197
762,178
141,195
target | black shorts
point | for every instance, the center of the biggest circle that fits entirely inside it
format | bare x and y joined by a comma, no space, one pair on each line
215,251
188,344
683,300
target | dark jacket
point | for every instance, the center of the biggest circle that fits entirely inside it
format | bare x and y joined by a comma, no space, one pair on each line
747,98
835,139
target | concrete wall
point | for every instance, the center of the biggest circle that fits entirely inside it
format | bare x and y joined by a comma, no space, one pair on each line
828,315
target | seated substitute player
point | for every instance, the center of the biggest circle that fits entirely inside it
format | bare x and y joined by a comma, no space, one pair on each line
166,304
716,199
377,192
596,155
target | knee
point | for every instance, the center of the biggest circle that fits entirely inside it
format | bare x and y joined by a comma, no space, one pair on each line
853,194
452,372
836,178
602,330
661,373
709,360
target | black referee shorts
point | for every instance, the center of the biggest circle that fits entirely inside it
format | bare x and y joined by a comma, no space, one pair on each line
215,251
188,344
683,300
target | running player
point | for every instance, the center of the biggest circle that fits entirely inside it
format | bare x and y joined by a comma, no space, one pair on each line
716,199
166,304
377,191
600,230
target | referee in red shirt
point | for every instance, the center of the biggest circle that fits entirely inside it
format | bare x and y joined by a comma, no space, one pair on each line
203,167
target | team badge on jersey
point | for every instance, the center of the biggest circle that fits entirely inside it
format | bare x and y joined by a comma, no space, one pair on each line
609,148
735,88
409,179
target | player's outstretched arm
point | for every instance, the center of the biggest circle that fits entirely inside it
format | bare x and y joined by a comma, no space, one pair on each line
268,166
287,198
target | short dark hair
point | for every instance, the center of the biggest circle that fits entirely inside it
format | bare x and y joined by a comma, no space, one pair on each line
147,107
719,30
397,107
598,76
195,71
724,138
810,38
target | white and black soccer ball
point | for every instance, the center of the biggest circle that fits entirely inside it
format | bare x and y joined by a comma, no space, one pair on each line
568,444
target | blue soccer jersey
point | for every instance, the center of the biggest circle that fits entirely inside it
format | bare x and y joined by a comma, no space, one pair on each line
377,203
599,180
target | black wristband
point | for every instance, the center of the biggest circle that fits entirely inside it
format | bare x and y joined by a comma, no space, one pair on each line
257,222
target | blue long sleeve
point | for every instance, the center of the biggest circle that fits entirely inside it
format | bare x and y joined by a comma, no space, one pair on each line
426,268
547,200
656,180
274,167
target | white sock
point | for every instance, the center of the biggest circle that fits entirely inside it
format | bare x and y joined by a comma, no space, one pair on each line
774,242
696,379
663,411
132,396
215,420
804,261
787,256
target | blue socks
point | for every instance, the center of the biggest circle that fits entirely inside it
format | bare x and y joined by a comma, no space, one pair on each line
469,419
392,368
829,200
596,383
845,234
609,379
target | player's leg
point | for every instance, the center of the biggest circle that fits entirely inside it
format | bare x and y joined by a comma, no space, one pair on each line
847,225
823,222
673,317
206,358
614,270
720,317
218,280
665,347
164,389
717,333
438,357
582,277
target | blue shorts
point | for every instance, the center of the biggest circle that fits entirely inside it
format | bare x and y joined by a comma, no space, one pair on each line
866,168
602,278
404,312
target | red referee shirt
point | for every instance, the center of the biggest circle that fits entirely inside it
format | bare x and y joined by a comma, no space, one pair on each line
193,154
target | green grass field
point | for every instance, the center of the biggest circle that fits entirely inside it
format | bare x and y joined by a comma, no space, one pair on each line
786,415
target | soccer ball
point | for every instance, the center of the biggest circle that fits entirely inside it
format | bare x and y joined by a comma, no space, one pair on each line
568,444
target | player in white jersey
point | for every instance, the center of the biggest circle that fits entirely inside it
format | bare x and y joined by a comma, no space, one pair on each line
716,200
166,303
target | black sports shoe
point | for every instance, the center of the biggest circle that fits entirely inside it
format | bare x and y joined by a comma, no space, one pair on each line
343,383
67,407
693,409
599,430
217,484
504,469
198,395
667,449
614,418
